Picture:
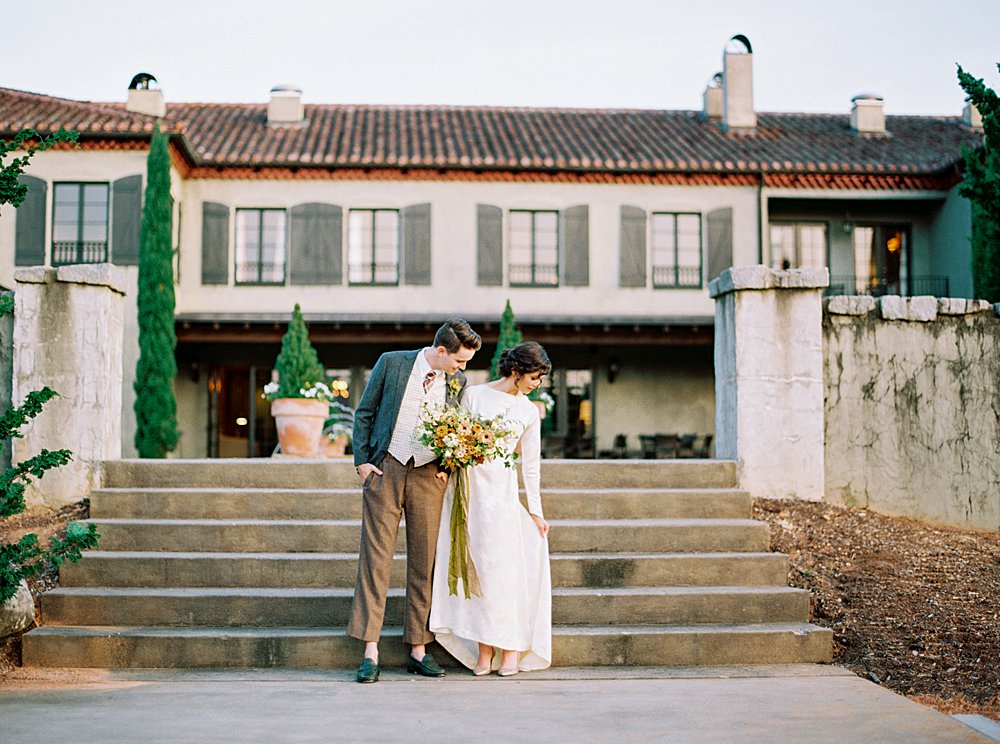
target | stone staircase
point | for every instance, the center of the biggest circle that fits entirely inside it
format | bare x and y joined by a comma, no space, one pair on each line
251,563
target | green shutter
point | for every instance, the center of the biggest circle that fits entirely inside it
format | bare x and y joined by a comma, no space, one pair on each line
214,243
126,220
576,246
315,244
415,229
632,248
29,232
489,245
719,230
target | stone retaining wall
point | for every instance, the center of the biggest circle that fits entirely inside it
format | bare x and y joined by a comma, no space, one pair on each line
912,407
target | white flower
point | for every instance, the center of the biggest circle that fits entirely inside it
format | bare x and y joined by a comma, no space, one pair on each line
271,387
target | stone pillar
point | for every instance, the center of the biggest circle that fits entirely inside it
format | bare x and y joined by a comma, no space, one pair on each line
769,378
68,336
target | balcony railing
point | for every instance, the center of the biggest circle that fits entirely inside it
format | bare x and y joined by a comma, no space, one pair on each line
936,286
539,275
78,252
677,276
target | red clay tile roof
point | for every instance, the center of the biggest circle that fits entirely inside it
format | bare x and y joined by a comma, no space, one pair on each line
465,138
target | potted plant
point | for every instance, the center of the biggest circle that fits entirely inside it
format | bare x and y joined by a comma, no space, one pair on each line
300,398
338,429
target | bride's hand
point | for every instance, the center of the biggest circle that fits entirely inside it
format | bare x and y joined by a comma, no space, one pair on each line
541,524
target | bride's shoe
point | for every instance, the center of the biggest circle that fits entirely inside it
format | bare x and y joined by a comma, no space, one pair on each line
481,671
508,672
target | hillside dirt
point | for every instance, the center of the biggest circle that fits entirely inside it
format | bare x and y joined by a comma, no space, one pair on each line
913,607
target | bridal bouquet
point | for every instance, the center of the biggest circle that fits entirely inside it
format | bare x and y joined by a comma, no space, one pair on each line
462,439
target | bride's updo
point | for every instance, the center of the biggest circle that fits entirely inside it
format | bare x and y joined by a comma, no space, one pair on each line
524,359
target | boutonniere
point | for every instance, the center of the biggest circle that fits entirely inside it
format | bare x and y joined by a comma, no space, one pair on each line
454,386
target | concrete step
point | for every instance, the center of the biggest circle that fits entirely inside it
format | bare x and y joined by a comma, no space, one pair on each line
345,503
309,474
257,607
149,647
342,536
317,570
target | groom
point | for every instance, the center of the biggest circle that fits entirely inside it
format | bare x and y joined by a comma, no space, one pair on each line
399,476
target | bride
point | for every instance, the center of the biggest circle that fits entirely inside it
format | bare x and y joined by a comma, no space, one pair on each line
509,627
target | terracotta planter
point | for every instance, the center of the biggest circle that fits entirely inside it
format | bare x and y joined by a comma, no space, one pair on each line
300,425
334,448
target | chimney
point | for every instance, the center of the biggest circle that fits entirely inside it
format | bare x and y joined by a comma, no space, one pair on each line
712,98
737,86
971,117
285,107
145,96
867,115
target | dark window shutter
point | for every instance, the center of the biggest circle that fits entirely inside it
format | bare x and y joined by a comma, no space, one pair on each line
316,244
126,220
415,229
214,243
632,248
719,229
489,245
29,233
576,246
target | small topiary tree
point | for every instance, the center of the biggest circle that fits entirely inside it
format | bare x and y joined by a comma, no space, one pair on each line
155,405
509,337
298,363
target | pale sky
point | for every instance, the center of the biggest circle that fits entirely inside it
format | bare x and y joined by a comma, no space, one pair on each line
808,55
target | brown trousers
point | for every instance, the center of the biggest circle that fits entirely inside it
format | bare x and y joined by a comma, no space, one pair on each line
417,493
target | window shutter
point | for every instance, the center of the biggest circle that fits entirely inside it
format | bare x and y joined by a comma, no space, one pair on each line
632,248
415,229
214,243
576,246
719,228
29,233
316,244
489,245
126,220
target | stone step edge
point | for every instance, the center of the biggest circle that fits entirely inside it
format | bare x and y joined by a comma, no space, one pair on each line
197,490
681,522
239,631
344,592
251,555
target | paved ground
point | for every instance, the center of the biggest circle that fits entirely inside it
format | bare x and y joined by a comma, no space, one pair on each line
813,704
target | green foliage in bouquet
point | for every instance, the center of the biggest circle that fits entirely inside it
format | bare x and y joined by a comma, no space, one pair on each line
155,405
982,187
298,363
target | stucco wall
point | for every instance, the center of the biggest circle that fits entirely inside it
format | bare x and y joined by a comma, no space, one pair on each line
912,411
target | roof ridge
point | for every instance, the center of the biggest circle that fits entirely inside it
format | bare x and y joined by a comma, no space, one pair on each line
115,108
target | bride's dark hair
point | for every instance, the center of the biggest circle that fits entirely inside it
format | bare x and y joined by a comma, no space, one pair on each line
524,359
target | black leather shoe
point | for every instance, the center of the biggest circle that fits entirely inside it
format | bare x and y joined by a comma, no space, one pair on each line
367,672
426,666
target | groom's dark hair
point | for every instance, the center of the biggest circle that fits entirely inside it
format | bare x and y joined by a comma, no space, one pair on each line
455,334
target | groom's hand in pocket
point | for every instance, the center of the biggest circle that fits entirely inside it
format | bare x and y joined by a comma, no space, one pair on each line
365,469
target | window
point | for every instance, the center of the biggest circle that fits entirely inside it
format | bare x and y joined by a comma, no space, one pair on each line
534,249
880,259
80,223
798,245
260,246
676,249
373,246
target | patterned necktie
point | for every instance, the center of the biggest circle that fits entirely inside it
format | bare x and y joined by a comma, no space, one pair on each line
429,380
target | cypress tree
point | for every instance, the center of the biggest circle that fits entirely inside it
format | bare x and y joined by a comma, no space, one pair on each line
982,188
155,405
509,337
298,363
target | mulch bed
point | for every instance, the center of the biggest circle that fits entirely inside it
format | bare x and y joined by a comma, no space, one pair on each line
913,607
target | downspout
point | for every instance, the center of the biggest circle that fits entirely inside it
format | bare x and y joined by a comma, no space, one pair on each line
760,218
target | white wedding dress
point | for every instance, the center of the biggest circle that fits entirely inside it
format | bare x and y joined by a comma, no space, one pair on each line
511,558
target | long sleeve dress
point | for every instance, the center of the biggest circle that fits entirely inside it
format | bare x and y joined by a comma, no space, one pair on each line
511,558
